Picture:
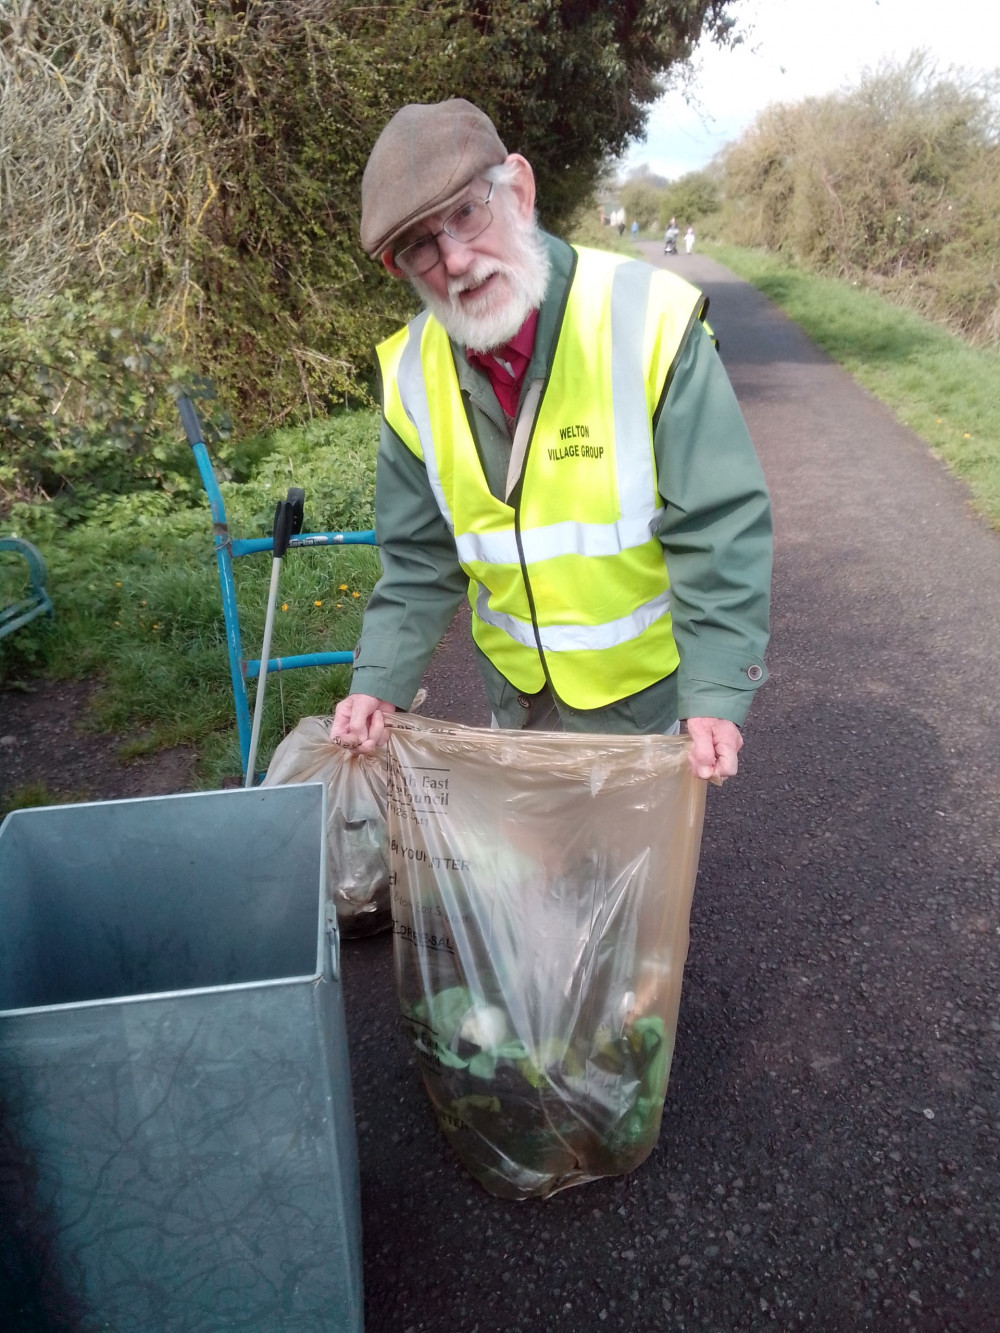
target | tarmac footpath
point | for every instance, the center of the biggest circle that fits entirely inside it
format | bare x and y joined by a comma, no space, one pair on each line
828,1158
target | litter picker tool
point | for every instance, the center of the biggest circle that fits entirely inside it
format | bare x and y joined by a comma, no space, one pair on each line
287,522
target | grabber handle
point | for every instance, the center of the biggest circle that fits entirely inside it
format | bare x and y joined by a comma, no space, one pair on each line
287,520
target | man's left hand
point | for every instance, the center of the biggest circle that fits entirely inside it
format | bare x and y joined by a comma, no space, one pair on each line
716,743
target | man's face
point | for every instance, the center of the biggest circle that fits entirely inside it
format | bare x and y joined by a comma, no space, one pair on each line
483,290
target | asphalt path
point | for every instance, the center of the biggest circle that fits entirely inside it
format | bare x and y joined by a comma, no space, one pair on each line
828,1158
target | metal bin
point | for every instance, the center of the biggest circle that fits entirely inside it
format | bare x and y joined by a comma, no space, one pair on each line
177,1138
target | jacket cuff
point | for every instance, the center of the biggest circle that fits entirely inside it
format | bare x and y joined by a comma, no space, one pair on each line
377,672
719,683
379,684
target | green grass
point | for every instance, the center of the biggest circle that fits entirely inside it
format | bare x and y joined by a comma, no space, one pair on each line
945,391
138,603
30,796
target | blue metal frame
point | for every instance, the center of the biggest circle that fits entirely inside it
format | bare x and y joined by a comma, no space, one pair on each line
228,548
38,602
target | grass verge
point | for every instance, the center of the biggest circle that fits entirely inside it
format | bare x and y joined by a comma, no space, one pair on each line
937,385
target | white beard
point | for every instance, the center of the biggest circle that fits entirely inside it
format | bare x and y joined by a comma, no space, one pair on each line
488,321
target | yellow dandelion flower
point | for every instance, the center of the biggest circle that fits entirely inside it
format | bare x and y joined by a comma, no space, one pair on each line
156,627
317,603
284,606
342,588
339,605
118,584
966,436
355,594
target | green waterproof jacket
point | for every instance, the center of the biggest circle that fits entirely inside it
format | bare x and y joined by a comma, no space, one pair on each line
715,531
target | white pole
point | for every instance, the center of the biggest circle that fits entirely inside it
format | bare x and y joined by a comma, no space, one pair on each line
265,653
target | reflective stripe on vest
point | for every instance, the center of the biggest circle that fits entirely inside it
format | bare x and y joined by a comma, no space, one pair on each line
572,571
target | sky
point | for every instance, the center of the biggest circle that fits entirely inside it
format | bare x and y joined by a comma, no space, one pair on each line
798,48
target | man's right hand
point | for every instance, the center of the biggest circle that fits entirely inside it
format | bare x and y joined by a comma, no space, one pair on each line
359,722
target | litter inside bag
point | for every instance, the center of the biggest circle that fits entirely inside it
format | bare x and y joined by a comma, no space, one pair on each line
357,839
541,895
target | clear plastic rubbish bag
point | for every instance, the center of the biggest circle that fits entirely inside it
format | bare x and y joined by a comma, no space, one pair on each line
541,897
356,832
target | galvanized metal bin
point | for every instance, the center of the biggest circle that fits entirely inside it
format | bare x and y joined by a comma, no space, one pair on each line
177,1139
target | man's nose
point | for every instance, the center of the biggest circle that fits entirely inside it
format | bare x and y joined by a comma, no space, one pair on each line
457,256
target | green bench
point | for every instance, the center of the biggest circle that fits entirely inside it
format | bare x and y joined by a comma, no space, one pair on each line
37,602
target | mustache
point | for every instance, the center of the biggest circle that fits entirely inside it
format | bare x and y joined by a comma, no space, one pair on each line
475,277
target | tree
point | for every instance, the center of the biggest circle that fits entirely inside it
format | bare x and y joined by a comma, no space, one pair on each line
200,160
690,198
642,200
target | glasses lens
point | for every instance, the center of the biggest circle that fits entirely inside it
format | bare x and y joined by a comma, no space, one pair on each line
469,221
418,257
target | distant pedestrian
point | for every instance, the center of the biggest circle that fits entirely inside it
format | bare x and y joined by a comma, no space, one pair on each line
689,240
635,228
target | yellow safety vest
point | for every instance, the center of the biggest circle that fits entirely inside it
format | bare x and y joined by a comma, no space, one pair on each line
567,579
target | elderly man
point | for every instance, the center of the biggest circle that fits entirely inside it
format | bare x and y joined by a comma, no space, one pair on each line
561,445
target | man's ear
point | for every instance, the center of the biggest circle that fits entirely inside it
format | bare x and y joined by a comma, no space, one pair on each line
387,260
523,184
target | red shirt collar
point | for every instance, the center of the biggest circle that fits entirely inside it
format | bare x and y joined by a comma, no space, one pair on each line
506,366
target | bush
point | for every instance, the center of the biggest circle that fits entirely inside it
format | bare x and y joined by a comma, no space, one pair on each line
204,160
895,184
87,407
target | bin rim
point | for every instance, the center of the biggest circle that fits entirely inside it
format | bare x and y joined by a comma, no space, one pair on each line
326,968
228,792
192,991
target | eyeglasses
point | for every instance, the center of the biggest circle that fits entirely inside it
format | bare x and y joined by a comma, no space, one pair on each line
465,224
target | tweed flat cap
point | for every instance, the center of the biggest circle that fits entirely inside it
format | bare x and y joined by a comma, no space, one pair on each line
421,162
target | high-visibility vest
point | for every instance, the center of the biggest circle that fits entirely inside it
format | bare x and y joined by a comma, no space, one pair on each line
567,578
